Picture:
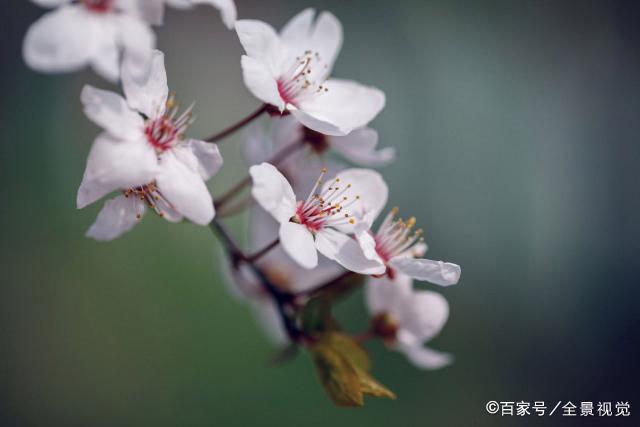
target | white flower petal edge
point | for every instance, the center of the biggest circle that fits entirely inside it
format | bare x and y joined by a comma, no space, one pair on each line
179,181
346,252
436,272
360,147
118,216
273,192
290,70
115,164
298,242
415,317
111,112
147,93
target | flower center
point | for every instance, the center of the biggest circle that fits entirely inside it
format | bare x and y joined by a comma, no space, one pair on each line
151,196
326,208
164,132
394,236
297,84
384,326
316,140
98,6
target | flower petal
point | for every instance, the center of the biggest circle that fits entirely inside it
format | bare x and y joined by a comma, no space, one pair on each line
110,111
346,252
261,43
437,272
426,358
273,192
151,11
367,243
59,41
268,317
209,158
118,216
116,165
324,37
384,295
138,41
181,184
371,189
424,314
360,147
298,242
260,81
346,106
147,93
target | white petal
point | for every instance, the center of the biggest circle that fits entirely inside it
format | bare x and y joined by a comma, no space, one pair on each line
273,192
360,147
437,272
327,39
367,244
181,184
116,165
261,43
227,10
346,106
424,314
324,38
59,41
298,242
286,131
370,187
426,358
209,158
110,111
298,28
138,41
105,59
118,216
261,82
346,252
384,295
269,319
147,93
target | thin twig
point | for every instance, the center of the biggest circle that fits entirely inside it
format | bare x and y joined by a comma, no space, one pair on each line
231,129
277,158
259,254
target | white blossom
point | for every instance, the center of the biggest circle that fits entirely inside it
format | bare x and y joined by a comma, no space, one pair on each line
290,71
406,318
401,250
324,220
101,33
143,154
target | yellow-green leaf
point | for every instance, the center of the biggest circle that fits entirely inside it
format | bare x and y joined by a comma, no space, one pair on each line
349,348
371,387
338,376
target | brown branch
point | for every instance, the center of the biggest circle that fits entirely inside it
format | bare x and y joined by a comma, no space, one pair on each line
239,125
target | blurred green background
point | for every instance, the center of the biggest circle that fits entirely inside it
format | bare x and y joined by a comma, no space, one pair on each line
516,124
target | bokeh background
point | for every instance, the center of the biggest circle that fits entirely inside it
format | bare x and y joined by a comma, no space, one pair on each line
517,126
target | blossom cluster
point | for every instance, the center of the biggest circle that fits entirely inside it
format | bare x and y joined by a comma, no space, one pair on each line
317,212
